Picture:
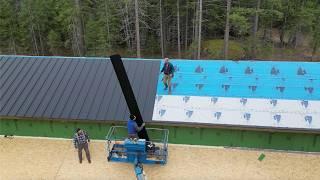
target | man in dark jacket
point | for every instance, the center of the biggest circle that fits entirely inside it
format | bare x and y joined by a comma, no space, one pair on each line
168,73
80,141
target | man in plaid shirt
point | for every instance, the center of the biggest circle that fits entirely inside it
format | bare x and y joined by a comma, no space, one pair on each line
80,141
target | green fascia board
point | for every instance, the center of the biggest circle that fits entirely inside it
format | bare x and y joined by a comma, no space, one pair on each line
278,140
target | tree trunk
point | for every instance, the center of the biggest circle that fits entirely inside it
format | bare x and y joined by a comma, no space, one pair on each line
12,45
292,39
127,27
195,31
75,46
137,28
314,50
283,27
193,23
33,34
265,32
299,38
281,36
107,23
200,22
178,24
186,34
255,29
40,40
161,31
79,29
226,32
166,33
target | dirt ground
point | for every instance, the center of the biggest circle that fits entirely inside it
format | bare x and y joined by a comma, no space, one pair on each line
34,158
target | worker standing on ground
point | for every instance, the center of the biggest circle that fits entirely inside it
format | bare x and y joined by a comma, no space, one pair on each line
168,73
80,141
133,127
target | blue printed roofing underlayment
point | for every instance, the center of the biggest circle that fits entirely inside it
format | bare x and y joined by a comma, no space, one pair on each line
265,94
72,88
250,79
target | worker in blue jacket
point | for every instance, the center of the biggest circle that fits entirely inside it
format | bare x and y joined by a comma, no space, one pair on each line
133,127
168,73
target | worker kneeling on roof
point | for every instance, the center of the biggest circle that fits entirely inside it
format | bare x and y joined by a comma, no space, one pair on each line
133,127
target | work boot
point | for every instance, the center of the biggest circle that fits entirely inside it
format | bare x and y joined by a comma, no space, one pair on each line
165,87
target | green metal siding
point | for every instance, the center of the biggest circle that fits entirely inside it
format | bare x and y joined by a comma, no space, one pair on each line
177,135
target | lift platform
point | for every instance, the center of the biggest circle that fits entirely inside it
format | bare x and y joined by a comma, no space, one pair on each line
120,148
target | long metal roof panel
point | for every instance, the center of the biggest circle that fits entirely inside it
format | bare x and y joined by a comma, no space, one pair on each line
73,88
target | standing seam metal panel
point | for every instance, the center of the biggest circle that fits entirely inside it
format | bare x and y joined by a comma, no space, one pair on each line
15,83
12,74
94,88
75,114
124,113
102,93
77,92
93,109
4,74
44,97
29,87
131,71
60,88
52,91
36,90
62,105
111,92
139,83
144,91
151,90
3,61
71,88
36,98
116,102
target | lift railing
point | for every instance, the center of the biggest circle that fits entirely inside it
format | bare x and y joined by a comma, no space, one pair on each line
156,150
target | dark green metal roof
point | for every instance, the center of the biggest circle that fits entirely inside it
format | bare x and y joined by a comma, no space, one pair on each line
73,88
